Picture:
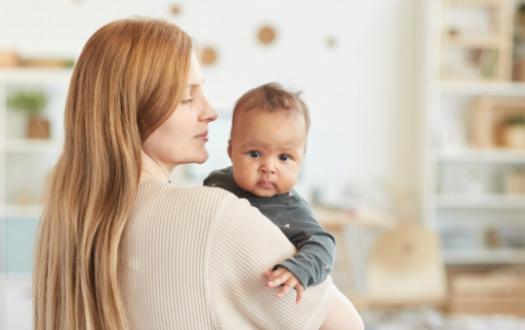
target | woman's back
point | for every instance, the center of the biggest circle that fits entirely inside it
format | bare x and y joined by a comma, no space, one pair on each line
161,241
189,264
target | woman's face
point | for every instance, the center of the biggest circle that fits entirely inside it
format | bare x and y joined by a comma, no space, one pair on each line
181,139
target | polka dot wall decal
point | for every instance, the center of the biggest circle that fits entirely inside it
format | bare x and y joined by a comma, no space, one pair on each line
175,9
266,34
331,42
208,56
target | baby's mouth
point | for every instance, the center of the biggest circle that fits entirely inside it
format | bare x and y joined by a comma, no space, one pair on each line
265,184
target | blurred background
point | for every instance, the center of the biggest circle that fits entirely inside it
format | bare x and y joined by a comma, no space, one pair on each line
416,156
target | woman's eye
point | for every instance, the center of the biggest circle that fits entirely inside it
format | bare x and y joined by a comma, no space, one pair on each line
254,154
284,157
186,101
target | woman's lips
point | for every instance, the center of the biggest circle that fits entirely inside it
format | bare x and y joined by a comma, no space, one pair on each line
203,136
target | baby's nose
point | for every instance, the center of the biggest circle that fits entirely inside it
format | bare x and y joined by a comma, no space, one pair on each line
267,168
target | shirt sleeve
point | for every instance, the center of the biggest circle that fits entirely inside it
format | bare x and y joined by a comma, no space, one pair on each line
244,244
315,257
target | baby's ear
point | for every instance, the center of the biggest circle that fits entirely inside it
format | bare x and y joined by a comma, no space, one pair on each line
230,149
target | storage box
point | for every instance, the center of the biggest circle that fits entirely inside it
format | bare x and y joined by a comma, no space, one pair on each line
489,115
497,292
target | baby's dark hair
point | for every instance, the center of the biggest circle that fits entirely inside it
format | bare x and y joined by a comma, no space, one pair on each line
271,97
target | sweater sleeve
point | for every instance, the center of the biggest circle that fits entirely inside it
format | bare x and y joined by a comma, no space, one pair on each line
243,245
315,257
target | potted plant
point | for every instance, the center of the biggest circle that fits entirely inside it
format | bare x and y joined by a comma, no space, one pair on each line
514,132
31,102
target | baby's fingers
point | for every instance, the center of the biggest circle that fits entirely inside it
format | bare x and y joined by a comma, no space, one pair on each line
274,274
292,282
299,292
279,277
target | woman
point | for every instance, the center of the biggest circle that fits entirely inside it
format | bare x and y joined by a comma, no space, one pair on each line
118,246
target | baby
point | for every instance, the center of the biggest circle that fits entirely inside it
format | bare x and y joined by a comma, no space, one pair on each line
267,145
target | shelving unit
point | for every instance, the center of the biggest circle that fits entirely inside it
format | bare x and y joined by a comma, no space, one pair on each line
493,46
488,88
480,156
464,195
480,202
486,257
24,164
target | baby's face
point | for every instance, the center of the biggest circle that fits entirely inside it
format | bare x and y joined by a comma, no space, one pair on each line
267,150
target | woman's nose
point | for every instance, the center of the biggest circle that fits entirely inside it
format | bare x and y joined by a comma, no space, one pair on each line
208,114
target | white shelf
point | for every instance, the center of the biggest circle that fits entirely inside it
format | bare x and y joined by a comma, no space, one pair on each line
15,279
472,41
483,88
482,156
495,201
30,145
484,256
446,100
21,212
19,75
475,2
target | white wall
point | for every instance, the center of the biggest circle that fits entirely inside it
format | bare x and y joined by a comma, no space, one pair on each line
363,94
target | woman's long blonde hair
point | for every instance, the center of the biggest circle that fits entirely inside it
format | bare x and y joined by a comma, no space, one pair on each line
126,83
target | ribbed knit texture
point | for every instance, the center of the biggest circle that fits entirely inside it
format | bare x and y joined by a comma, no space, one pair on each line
195,259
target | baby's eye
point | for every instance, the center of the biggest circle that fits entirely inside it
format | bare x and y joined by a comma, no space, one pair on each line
284,157
254,154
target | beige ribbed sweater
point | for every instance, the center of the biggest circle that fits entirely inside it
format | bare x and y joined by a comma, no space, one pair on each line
195,259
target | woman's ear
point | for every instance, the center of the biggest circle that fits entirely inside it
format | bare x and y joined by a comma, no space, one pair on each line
230,149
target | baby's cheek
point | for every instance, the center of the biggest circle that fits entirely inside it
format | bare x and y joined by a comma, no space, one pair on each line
288,183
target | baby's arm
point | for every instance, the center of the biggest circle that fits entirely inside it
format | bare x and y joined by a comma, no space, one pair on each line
240,252
315,246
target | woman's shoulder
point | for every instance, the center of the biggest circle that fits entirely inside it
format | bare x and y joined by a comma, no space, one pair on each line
220,209
163,195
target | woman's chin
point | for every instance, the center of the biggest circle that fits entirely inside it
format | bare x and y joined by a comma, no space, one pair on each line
203,157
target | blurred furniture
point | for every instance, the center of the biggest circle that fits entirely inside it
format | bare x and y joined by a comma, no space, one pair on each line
9,59
472,195
488,292
405,268
336,223
477,39
24,165
352,231
489,118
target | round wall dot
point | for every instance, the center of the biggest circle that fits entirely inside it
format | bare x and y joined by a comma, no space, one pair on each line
331,42
175,9
208,56
266,34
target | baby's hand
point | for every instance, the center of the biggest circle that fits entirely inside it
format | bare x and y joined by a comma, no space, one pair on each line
281,276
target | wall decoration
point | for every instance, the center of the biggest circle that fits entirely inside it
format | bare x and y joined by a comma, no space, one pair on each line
208,56
266,34
175,9
331,42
